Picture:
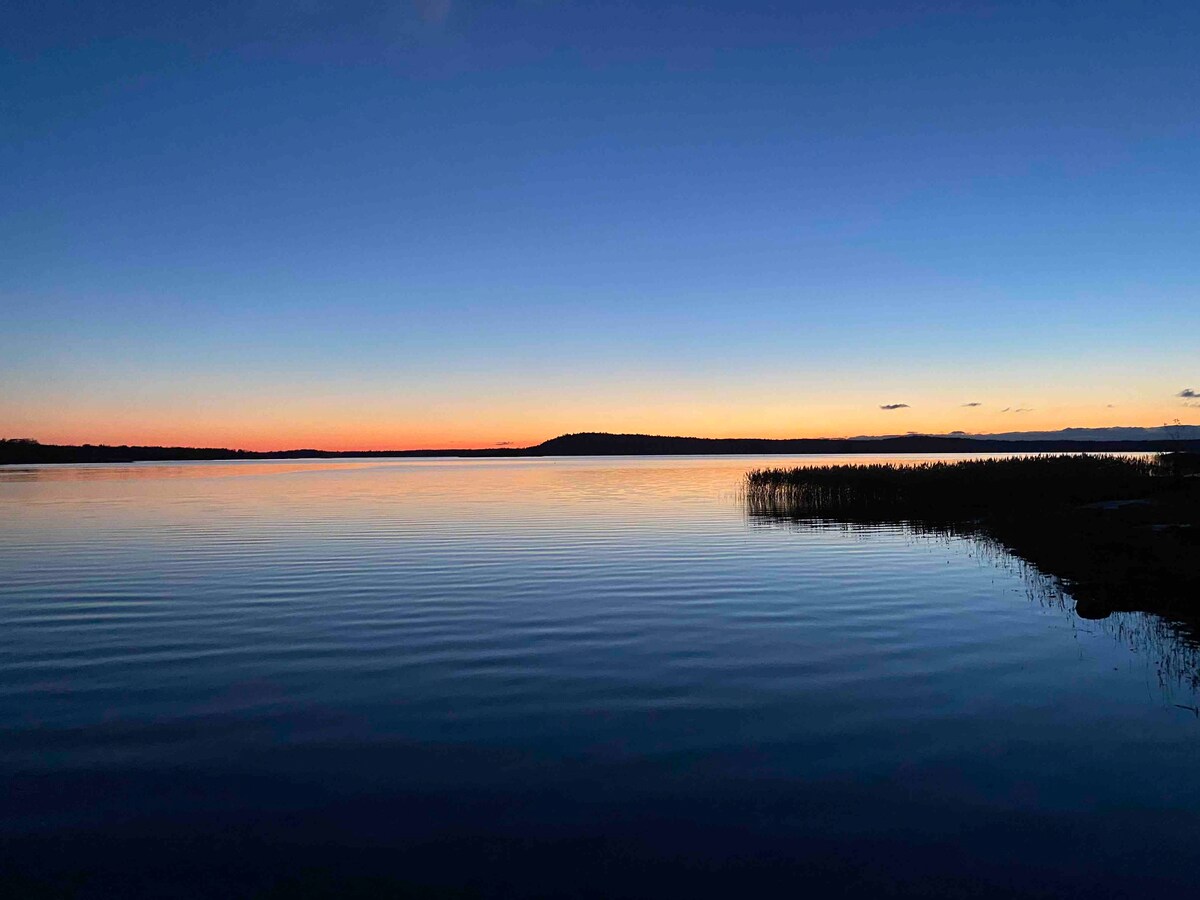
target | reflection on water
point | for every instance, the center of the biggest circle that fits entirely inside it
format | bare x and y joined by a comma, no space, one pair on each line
1169,649
497,674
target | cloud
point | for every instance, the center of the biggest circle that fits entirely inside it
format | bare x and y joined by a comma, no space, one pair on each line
974,403
894,406
1110,406
1188,394
1019,409
503,443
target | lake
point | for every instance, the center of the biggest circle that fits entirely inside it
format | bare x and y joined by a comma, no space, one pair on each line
559,677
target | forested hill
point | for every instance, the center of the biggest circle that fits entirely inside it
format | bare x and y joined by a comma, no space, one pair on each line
15,452
599,444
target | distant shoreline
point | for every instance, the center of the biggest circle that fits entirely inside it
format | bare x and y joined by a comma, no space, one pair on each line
21,452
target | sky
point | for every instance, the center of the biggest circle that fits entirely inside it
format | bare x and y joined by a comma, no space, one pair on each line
373,225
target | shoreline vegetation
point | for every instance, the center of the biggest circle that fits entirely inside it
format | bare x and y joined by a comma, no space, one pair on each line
31,452
1121,534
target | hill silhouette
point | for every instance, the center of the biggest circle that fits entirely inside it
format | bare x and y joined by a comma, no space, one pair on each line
602,444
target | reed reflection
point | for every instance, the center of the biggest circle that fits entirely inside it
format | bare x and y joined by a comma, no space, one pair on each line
1110,540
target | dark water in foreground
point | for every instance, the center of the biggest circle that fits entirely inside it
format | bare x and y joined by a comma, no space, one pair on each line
557,677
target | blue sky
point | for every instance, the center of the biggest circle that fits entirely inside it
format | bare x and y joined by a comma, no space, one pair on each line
389,224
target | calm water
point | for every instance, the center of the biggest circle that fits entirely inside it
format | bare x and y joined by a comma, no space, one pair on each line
558,677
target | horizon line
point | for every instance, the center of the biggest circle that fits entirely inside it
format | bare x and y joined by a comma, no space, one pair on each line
507,448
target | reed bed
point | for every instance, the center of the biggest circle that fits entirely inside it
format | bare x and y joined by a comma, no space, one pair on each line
1121,532
952,490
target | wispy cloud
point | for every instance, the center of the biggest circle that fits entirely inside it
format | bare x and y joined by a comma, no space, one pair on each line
503,443
973,403
1188,394
894,406
1019,409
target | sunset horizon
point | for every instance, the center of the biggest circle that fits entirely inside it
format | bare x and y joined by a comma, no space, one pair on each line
442,229
376,438
576,450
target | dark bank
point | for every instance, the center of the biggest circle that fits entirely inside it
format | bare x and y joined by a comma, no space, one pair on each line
1122,533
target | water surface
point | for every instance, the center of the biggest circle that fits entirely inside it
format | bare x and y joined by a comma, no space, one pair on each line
559,677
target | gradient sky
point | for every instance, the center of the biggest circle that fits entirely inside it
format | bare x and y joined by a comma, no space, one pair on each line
390,225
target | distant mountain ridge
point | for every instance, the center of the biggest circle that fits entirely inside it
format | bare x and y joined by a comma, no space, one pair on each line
27,452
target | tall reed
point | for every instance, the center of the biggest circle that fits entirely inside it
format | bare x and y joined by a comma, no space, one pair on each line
943,490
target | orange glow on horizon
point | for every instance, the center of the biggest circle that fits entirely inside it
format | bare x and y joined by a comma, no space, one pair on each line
267,432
